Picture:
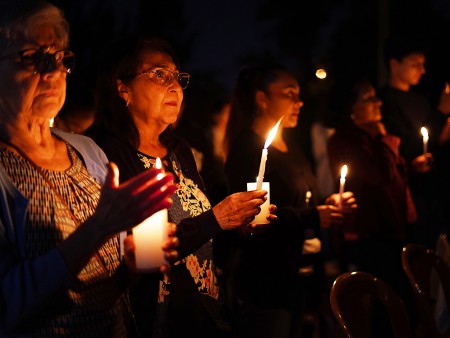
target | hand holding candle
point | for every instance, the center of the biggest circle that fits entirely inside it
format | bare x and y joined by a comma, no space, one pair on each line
342,183
424,133
149,237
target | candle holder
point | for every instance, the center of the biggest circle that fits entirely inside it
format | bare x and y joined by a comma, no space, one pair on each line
261,218
149,237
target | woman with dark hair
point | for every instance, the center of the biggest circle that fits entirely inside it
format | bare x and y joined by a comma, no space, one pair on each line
139,95
269,285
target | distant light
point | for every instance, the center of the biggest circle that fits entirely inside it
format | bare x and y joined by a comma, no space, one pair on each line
321,73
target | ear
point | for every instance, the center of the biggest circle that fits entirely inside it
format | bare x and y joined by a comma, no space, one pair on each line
261,99
393,63
122,89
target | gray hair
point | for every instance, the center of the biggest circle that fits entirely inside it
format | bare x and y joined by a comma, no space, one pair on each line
20,19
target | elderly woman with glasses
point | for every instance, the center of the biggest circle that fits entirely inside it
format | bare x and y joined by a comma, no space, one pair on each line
139,96
60,264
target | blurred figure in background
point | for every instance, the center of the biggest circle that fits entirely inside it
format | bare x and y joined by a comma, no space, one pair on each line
405,112
373,239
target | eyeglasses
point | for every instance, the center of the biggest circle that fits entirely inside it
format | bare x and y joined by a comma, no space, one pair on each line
37,60
165,77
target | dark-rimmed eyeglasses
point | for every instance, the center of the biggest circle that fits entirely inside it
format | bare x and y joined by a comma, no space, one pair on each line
37,60
165,77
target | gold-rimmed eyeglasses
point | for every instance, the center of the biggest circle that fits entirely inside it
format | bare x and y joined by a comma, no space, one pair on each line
165,77
38,60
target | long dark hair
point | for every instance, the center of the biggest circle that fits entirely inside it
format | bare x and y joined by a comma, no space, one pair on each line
243,109
119,61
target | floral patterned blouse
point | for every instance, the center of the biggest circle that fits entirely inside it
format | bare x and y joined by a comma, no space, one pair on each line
188,201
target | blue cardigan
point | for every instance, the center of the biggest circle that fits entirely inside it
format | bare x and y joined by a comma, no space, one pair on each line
25,284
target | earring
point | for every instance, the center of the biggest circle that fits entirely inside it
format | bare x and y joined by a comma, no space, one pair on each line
127,104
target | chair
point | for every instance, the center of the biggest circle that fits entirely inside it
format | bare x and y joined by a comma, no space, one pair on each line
353,298
419,263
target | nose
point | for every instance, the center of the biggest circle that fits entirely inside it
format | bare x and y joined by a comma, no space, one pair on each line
175,85
298,103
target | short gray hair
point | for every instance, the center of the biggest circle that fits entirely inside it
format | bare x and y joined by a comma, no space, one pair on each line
20,19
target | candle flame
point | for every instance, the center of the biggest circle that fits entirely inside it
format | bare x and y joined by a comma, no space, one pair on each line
344,171
424,132
272,134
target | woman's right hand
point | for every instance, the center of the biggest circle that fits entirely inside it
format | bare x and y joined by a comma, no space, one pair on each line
123,206
120,208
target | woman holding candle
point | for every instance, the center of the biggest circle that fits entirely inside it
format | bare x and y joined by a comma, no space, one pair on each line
374,238
268,287
61,272
140,92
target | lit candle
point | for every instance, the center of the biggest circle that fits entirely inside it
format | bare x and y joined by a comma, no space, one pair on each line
342,183
262,164
424,132
149,237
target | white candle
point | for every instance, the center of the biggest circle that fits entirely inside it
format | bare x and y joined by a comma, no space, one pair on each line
424,132
344,170
262,164
262,168
149,237
261,218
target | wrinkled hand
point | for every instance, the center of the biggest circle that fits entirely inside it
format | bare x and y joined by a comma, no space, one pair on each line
169,247
239,208
121,207
423,163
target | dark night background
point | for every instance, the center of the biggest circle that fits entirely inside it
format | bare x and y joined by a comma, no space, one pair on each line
215,38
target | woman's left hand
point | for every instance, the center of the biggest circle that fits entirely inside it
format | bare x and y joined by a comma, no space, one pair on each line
169,247
254,228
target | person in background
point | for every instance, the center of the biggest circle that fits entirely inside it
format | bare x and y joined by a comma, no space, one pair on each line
374,238
405,111
139,96
61,272
268,285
